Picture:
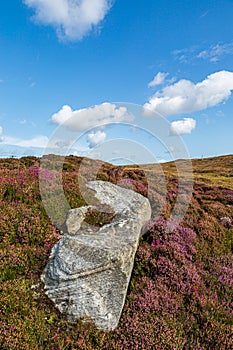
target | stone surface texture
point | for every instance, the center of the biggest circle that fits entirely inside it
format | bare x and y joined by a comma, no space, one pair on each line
89,269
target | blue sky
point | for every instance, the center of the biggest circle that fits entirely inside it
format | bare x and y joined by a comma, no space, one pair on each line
174,58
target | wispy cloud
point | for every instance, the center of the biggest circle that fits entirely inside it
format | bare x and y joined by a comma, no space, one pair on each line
186,55
180,127
1,131
215,52
23,121
27,122
37,141
204,14
212,53
72,19
158,79
185,96
32,84
220,113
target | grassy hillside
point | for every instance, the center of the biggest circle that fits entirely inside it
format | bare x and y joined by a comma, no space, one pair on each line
180,294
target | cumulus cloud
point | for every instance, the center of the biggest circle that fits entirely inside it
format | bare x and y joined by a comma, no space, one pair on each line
158,79
184,126
87,118
95,138
72,19
185,96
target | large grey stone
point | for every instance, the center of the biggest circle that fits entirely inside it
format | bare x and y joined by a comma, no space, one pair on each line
89,269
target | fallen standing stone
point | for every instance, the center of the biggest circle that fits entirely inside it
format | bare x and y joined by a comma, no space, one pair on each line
89,269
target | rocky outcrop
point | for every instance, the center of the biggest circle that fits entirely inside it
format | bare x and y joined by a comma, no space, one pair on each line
89,269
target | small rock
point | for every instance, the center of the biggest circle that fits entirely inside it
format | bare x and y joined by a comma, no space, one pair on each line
226,222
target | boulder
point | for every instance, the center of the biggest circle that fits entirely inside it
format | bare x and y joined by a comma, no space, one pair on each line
89,268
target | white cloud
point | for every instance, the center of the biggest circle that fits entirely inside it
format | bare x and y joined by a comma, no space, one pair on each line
72,19
185,96
87,118
158,79
185,55
1,131
212,53
215,52
204,14
184,126
96,138
63,115
220,113
37,141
